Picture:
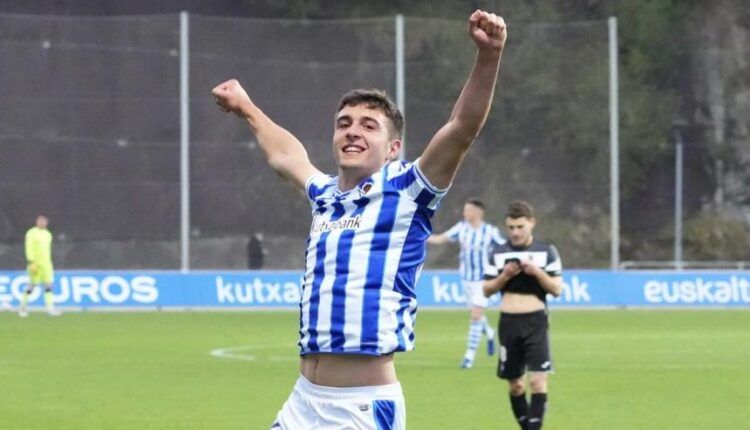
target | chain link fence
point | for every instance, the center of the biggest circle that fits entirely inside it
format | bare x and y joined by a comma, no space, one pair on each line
90,131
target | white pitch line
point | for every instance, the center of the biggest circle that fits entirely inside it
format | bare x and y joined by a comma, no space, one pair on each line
236,353
232,354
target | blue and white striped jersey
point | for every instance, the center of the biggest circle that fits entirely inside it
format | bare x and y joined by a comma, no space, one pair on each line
364,255
475,244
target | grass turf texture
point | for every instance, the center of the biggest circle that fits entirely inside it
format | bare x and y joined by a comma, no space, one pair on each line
615,370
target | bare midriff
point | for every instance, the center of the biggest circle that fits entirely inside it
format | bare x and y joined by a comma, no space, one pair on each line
348,370
514,303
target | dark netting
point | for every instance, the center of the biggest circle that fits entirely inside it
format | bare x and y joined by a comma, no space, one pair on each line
89,131
553,91
89,134
296,72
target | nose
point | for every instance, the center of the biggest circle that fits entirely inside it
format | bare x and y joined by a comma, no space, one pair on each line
353,132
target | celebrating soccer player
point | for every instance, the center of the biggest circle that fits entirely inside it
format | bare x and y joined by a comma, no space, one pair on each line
367,241
524,270
475,237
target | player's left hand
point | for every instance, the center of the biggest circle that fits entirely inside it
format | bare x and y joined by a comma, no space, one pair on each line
529,268
487,30
231,97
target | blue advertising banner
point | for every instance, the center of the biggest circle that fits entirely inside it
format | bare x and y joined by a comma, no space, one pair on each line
281,289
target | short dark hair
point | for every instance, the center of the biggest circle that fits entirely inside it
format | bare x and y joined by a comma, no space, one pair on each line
475,202
375,99
520,209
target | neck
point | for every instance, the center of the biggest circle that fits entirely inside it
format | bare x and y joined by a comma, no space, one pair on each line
350,178
348,183
526,244
475,223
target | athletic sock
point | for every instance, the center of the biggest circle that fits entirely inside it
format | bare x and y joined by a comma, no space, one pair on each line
49,300
487,329
475,335
536,410
520,410
24,300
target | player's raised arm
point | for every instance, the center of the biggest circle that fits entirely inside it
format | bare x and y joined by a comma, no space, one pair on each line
446,150
284,153
438,239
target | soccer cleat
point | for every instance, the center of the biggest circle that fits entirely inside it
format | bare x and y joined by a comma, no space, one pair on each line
23,313
490,346
467,364
54,312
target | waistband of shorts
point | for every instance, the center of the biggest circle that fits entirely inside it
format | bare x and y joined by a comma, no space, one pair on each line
321,391
535,314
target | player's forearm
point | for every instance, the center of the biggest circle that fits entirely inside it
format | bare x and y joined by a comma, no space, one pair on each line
473,105
278,144
437,239
492,286
551,284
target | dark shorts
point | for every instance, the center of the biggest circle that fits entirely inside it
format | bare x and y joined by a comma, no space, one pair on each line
524,344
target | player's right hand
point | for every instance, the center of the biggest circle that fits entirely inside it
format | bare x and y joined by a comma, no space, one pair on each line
231,97
32,268
511,269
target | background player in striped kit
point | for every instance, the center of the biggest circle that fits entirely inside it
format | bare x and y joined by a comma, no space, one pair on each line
367,240
475,237
525,270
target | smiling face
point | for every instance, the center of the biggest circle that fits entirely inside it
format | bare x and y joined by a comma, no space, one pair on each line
362,141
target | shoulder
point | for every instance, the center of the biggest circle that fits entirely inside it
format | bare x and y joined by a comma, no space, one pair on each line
404,174
407,179
546,247
319,184
459,225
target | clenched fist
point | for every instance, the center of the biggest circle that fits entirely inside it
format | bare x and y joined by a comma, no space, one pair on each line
231,97
487,30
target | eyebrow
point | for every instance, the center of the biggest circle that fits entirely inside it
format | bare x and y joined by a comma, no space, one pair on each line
362,118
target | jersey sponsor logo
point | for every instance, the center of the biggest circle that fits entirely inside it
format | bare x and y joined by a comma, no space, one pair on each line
320,225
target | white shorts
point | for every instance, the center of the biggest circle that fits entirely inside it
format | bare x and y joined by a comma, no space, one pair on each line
311,406
473,291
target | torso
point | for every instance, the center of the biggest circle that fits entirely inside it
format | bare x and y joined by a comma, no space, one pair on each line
364,254
524,293
515,303
340,370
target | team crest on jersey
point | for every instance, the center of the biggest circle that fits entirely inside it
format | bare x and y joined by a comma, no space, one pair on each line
319,225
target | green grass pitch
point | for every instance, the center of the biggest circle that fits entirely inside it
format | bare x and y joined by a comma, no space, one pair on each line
153,370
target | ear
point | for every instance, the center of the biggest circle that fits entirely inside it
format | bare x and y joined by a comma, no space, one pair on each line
394,148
